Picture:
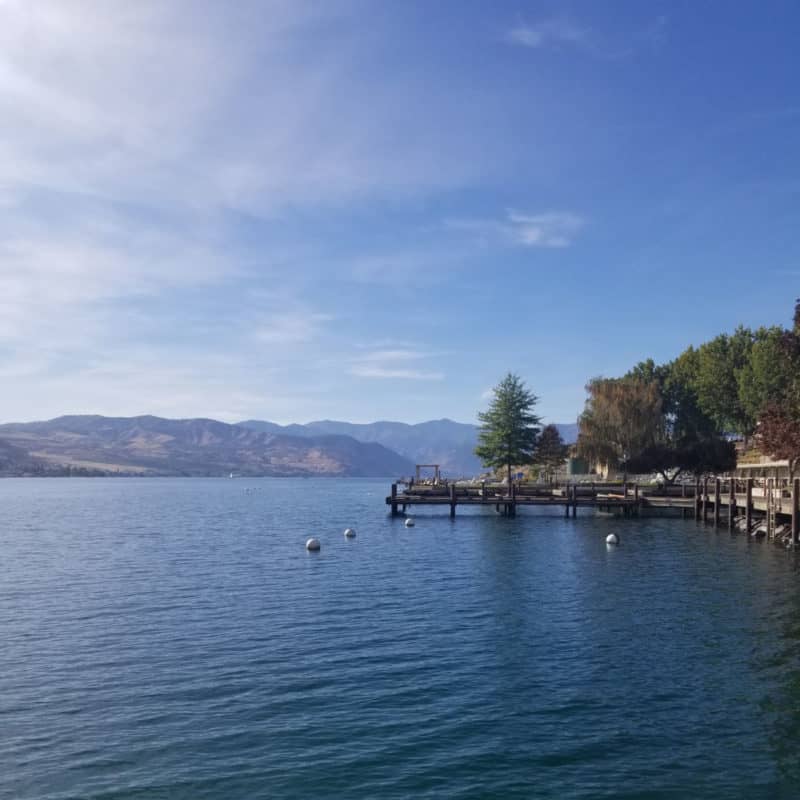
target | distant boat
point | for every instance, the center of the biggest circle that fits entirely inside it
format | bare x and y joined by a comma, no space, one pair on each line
231,475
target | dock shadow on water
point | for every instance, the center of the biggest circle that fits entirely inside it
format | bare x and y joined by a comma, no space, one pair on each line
171,638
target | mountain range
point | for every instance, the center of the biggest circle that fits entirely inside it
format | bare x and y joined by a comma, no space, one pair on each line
443,441
191,447
147,445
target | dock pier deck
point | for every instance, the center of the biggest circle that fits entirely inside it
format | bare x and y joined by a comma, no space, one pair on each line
773,502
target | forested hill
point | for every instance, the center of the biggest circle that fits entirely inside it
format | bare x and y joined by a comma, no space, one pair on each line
193,447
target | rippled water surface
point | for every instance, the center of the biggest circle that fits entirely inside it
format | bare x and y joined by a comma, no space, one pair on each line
173,639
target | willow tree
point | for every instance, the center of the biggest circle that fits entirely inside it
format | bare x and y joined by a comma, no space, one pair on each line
622,418
509,429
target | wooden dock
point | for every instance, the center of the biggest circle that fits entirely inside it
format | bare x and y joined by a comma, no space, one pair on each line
754,502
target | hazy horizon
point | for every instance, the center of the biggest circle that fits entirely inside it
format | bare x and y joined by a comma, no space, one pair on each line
264,419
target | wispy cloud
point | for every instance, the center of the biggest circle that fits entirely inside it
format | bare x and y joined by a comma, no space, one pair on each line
552,32
105,100
291,327
395,355
562,32
60,275
393,363
550,229
370,371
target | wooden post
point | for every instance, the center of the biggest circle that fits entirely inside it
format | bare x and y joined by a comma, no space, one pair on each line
731,504
683,489
452,500
748,504
705,499
566,500
394,499
636,498
768,496
574,500
795,512
483,491
696,499
717,500
513,507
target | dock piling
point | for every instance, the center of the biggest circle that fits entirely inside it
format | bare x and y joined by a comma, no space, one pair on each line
697,499
748,505
731,503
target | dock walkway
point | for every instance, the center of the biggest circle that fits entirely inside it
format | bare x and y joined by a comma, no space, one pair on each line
721,499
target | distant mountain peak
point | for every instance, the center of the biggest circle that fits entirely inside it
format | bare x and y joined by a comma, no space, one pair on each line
439,441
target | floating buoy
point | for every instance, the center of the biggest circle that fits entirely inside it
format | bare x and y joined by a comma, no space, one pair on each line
612,538
409,522
349,533
312,544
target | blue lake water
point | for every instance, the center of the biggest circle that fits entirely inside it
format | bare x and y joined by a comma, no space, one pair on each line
173,639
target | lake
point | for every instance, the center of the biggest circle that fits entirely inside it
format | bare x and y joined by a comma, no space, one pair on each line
169,638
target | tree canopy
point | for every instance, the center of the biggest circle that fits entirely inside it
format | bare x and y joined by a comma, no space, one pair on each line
551,451
622,417
733,385
650,421
779,423
509,429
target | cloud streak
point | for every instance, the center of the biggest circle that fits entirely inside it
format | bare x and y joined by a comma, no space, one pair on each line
292,327
394,364
562,33
152,102
370,371
548,33
549,229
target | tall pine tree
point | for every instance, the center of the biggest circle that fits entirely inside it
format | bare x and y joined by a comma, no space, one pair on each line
509,429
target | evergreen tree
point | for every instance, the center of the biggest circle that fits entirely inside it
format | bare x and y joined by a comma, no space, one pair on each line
509,429
551,451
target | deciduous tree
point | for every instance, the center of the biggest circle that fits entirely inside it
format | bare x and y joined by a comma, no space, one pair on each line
716,382
779,424
622,417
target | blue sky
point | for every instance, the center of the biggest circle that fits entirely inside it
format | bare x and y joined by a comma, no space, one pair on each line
364,210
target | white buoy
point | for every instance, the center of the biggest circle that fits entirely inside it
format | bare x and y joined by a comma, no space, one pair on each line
612,538
349,533
312,544
409,522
